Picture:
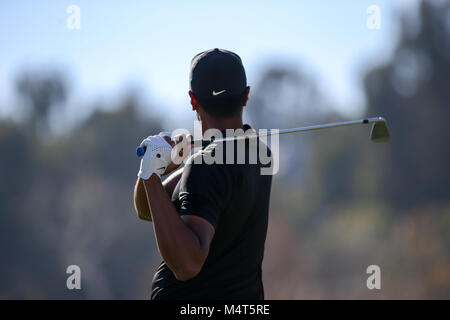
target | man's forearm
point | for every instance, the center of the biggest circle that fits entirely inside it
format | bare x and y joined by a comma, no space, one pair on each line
178,244
140,196
140,201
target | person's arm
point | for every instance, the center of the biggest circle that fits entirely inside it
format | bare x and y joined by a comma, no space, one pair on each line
140,201
183,241
140,197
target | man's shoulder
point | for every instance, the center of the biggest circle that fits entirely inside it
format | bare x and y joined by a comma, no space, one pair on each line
202,163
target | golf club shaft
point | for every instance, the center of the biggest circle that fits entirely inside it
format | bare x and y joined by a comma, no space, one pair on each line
140,151
304,129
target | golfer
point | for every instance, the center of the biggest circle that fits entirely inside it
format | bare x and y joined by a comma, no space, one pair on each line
210,220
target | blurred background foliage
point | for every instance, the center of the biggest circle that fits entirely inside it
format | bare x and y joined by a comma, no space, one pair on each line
339,203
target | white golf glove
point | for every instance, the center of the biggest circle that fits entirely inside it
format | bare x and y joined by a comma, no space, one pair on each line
156,157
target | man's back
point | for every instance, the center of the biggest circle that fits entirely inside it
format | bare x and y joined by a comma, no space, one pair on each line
234,198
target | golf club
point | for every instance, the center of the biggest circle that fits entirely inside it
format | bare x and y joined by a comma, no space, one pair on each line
378,133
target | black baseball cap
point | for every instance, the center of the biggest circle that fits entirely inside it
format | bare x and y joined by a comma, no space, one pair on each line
217,74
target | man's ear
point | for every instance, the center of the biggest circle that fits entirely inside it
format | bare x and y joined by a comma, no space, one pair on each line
194,102
247,92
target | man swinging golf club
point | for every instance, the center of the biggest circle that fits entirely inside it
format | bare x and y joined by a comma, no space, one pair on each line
210,220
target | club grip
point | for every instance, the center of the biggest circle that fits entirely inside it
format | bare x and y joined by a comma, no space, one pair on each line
140,151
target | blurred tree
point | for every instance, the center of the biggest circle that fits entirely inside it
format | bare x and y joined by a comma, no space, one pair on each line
412,92
41,90
287,96
70,201
284,96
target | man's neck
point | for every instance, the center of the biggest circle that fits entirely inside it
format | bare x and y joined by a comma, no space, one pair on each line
222,124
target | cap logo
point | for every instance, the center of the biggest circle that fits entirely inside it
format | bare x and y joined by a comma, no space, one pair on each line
218,92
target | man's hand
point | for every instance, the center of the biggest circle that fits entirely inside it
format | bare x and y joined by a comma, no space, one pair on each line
181,149
157,156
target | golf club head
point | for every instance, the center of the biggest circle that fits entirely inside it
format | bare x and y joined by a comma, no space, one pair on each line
379,132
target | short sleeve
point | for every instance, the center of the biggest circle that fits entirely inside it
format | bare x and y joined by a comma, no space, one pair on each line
203,191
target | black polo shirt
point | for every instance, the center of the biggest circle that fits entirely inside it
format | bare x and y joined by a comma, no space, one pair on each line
234,198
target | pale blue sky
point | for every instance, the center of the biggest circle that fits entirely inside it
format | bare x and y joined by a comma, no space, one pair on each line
150,43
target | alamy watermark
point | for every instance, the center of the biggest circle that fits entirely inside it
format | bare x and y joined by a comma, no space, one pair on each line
74,280
221,151
373,21
374,280
73,21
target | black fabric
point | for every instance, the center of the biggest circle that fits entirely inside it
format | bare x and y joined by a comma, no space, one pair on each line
234,198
